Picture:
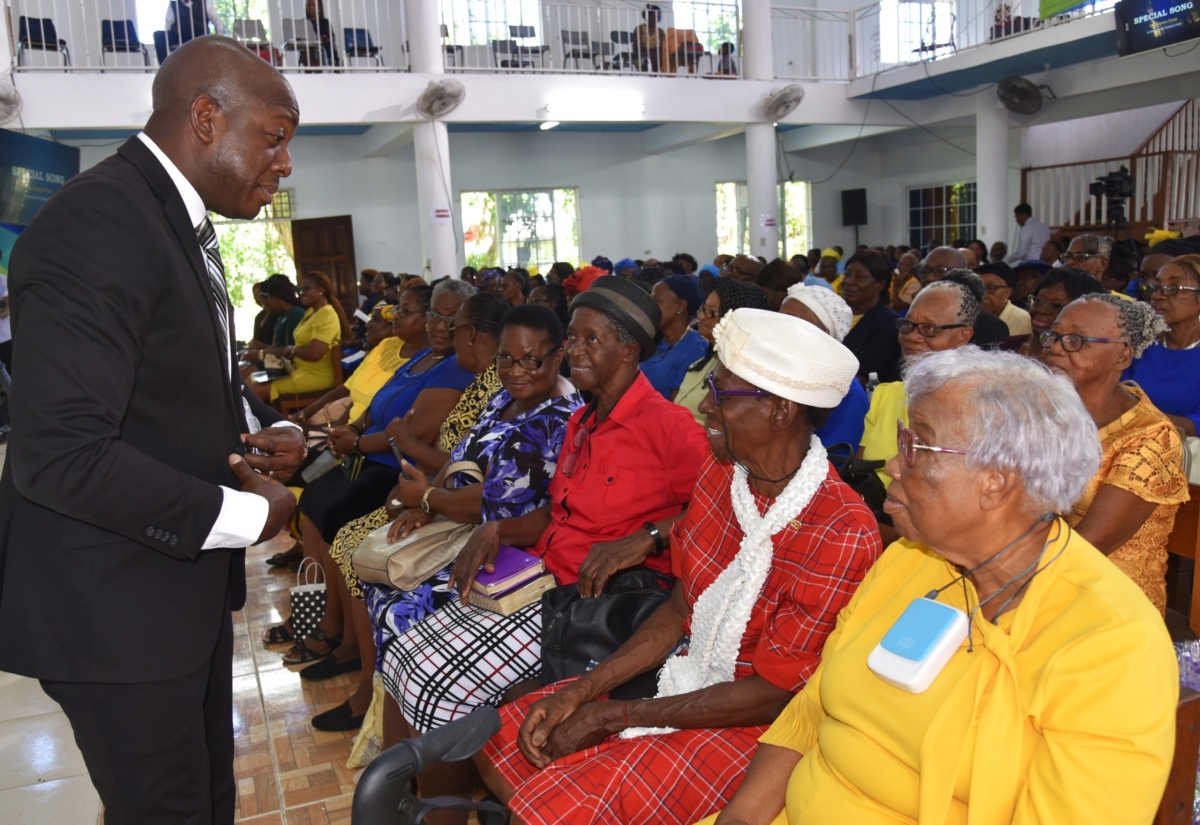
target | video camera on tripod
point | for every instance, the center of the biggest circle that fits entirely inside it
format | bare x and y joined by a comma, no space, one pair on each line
1116,188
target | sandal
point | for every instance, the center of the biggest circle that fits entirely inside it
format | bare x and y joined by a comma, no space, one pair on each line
302,654
280,634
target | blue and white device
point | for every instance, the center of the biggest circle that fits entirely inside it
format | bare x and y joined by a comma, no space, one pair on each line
919,644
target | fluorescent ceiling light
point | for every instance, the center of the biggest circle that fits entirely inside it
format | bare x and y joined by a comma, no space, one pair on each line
597,105
548,125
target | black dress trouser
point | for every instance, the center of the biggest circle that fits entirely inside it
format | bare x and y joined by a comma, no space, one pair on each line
159,752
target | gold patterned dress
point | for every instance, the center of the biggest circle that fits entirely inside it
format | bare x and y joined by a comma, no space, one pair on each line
1141,453
458,423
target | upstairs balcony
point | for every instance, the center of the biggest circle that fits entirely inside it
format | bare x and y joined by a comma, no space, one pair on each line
696,38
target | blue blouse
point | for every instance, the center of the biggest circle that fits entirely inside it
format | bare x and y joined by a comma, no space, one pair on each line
666,367
1171,379
845,422
395,398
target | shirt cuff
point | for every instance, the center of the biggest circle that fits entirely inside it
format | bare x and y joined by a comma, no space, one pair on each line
285,423
240,522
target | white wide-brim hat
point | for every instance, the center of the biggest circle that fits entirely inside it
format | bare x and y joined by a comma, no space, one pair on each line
785,356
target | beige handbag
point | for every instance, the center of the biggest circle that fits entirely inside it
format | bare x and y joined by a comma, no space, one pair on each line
406,563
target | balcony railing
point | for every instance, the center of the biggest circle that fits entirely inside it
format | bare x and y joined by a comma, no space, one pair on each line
892,33
108,35
688,38
811,44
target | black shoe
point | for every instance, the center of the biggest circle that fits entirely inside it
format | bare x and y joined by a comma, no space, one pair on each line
328,667
338,719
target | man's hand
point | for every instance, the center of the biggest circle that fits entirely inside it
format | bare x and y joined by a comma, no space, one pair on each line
608,557
280,501
283,449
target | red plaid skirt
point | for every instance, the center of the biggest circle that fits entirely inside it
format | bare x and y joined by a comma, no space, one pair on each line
677,777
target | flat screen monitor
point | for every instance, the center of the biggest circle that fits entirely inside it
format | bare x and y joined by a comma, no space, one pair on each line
1145,25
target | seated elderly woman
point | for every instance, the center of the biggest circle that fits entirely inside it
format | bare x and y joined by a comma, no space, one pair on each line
772,547
1055,290
515,441
829,312
316,337
1169,370
727,295
414,403
628,466
1057,700
1128,508
678,298
942,317
872,339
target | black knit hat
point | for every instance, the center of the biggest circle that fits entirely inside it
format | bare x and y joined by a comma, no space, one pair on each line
627,304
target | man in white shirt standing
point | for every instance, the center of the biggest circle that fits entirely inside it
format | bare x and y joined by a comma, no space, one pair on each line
1031,237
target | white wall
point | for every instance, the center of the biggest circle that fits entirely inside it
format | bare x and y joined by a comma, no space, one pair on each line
630,204
1093,138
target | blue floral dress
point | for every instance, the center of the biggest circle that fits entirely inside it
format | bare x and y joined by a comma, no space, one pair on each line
518,457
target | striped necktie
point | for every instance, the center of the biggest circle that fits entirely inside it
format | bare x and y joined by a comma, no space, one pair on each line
216,276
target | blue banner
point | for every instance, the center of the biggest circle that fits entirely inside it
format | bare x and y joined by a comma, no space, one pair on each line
31,170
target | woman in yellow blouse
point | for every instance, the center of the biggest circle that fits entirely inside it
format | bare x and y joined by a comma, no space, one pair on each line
317,337
1128,508
1058,707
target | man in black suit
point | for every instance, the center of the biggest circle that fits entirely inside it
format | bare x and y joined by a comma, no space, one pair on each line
123,502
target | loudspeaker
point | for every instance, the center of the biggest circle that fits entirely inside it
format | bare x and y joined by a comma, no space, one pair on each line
854,207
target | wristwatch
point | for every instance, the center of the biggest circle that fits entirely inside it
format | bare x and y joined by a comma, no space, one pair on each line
659,547
425,501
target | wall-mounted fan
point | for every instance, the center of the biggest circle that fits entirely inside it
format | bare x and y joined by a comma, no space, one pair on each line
782,102
10,103
1022,96
440,98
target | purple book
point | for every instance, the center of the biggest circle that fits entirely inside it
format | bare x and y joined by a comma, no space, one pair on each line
514,567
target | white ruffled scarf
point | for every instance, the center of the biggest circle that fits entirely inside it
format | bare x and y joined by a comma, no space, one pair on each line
722,611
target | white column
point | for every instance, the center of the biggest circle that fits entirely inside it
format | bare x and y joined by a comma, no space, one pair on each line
436,198
431,146
991,170
424,32
761,172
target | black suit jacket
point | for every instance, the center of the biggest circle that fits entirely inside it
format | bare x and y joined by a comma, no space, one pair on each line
876,343
124,413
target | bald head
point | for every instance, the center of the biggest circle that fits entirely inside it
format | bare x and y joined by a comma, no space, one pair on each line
938,262
224,117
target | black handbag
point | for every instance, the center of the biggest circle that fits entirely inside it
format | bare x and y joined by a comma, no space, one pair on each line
860,475
578,633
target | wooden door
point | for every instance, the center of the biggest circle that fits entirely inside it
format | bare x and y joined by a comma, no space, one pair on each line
327,245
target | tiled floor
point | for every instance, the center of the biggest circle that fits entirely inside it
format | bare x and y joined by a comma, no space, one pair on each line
287,772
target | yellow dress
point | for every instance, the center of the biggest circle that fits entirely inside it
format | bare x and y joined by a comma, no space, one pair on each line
888,403
1141,452
693,388
311,376
376,369
1064,712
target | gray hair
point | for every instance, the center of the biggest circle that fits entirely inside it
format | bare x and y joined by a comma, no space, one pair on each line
1139,323
1101,245
1020,416
968,304
453,286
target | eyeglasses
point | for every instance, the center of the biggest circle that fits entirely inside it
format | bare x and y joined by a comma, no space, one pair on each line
905,327
1038,304
717,394
1168,290
1071,342
456,328
434,318
528,362
705,312
927,273
571,459
732,270
907,444
1068,257
401,312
